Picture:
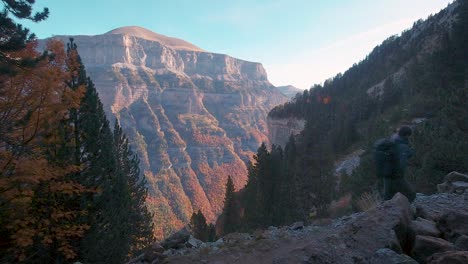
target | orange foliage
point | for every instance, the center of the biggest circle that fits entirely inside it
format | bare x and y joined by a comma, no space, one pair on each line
215,178
35,193
210,140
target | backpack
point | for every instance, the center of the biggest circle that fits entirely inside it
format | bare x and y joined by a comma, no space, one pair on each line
385,158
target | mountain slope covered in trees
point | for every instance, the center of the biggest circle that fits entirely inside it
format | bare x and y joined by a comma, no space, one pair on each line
420,75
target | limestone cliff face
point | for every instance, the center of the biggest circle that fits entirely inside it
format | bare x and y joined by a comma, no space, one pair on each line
280,129
193,117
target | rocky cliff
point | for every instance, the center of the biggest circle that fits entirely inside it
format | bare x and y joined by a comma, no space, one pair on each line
280,129
194,117
289,90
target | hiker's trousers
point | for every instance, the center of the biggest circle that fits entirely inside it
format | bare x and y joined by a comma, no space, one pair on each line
393,186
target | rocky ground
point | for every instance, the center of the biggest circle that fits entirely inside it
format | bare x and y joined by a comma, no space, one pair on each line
433,229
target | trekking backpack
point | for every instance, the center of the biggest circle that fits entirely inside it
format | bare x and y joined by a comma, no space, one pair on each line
385,158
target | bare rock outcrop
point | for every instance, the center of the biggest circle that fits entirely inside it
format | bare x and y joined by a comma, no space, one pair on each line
280,129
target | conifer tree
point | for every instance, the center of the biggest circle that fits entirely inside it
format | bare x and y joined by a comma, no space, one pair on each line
120,224
230,223
199,227
95,152
135,214
14,37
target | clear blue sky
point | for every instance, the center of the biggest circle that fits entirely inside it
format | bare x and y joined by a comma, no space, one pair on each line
300,42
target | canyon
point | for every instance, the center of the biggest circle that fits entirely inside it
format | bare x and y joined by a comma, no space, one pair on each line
192,116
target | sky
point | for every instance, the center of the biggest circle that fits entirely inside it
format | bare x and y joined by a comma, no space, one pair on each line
299,42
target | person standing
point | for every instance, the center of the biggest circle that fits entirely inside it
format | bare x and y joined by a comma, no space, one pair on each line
402,152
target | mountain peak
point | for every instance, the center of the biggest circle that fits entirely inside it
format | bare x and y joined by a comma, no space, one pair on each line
144,33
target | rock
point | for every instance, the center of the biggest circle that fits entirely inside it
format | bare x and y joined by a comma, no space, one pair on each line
425,227
456,177
297,225
153,252
459,187
426,246
449,257
218,242
386,226
402,228
453,224
176,240
462,243
443,187
388,256
281,128
455,182
193,242
420,212
435,206
237,237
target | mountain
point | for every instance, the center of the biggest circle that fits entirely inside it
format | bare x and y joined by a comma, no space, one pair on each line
193,117
289,90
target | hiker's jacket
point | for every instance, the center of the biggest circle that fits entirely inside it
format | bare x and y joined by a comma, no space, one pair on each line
404,153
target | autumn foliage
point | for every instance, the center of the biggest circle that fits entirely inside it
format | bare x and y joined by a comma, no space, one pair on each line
35,189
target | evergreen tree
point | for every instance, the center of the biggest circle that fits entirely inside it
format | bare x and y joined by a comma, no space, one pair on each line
95,151
230,214
13,36
134,213
287,185
199,227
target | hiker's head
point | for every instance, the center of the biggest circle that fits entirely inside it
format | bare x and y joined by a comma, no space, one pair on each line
405,131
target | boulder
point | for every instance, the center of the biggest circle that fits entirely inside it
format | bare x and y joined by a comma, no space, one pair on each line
462,243
459,187
455,182
453,224
193,242
449,257
388,256
456,177
152,254
425,227
425,246
420,212
433,207
443,187
176,240
297,226
386,226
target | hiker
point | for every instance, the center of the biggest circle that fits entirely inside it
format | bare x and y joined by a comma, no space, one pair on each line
391,160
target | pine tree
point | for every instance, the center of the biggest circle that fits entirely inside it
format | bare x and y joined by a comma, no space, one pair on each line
287,185
14,37
199,227
135,214
230,223
120,224
95,152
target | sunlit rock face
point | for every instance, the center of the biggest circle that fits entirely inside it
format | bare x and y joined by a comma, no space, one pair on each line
280,129
193,117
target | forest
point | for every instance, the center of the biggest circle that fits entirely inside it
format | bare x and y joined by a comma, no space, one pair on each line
70,185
